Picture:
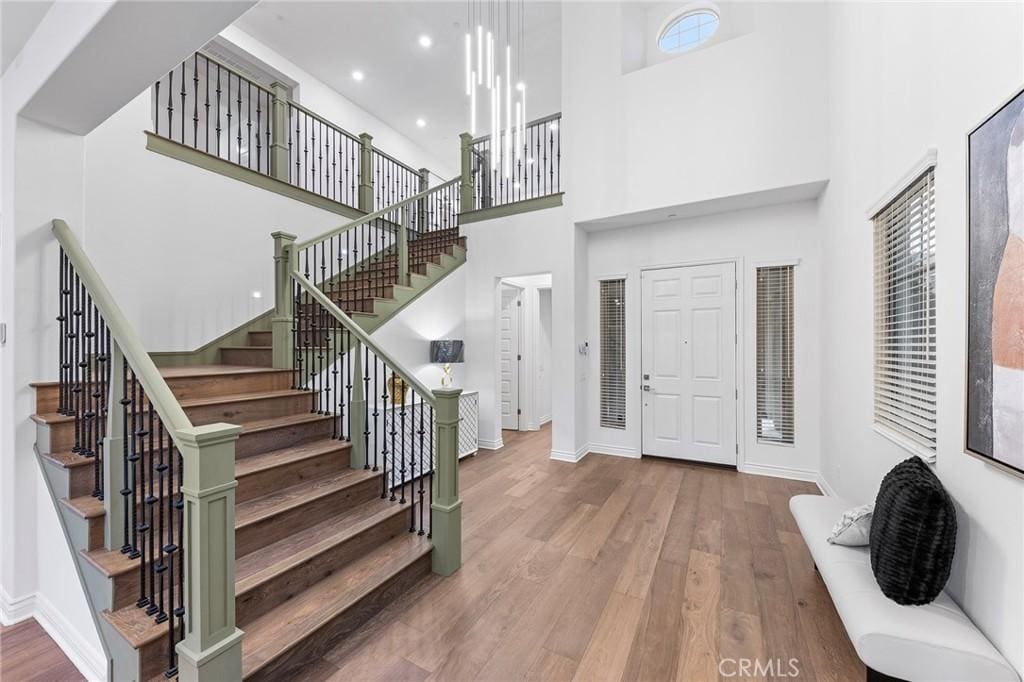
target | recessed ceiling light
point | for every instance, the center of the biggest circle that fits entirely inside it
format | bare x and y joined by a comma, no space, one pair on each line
421,123
357,75
425,41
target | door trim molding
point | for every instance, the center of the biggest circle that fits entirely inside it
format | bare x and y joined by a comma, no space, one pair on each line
738,263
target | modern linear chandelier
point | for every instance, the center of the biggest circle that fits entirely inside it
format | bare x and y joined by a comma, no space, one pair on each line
492,23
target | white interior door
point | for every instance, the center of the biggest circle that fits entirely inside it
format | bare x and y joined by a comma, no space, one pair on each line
509,355
688,363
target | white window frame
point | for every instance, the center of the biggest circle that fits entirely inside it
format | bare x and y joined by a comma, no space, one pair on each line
907,183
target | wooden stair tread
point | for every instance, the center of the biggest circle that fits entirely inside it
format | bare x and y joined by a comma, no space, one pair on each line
256,567
279,629
246,347
215,370
239,397
139,629
268,506
86,506
68,459
112,562
52,418
277,422
275,458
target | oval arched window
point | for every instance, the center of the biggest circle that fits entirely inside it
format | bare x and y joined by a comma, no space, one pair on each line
688,31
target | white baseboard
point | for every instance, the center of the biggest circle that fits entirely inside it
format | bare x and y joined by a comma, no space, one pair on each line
92,663
15,609
614,450
779,472
490,444
545,419
572,457
824,487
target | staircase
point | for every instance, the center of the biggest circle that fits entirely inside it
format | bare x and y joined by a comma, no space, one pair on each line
321,540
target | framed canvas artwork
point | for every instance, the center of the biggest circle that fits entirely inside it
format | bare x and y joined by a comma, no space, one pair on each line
995,313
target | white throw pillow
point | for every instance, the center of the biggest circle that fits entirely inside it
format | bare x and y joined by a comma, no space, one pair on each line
854,528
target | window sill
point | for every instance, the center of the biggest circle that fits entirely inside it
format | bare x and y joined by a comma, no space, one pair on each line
905,443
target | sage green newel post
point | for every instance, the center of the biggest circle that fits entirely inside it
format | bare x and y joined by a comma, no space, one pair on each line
446,511
466,184
285,260
113,447
212,647
365,173
279,133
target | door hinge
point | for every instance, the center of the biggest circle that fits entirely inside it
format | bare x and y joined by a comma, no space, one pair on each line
737,448
519,304
737,393
519,411
519,358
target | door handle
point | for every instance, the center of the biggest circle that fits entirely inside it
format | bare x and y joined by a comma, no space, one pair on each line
646,387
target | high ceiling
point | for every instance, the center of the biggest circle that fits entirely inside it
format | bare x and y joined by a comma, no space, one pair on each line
18,20
404,81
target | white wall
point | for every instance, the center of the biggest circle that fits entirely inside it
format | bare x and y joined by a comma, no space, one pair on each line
439,313
529,243
752,238
932,73
544,356
747,114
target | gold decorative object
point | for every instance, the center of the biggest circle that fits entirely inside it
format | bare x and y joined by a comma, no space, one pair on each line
397,389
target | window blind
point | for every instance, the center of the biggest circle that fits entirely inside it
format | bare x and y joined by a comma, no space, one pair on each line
775,409
613,353
905,314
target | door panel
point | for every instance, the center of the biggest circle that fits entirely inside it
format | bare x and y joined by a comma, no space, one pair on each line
688,362
508,357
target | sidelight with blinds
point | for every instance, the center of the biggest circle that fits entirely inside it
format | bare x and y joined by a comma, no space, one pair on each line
613,353
775,414
905,315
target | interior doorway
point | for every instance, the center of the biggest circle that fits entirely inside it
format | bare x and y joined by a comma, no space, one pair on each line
688,363
524,352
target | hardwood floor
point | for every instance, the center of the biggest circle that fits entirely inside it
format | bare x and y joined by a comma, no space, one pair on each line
610,569
28,653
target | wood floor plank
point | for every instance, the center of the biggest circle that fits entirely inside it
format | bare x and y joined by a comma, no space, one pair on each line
699,653
608,652
537,598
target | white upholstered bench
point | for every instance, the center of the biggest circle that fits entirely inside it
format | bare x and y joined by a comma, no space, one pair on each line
931,643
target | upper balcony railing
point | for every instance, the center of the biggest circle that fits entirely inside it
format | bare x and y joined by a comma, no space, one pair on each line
209,107
513,167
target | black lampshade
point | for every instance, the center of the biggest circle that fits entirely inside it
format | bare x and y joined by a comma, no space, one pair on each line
446,350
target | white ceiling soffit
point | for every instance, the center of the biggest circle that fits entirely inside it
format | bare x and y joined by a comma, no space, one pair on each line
18,20
736,202
403,81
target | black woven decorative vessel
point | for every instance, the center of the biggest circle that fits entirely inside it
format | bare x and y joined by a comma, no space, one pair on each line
913,534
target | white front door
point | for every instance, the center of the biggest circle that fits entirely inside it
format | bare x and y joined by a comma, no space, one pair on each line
509,356
688,362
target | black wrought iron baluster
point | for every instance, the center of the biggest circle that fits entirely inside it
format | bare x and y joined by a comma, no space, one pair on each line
161,562
376,413
389,420
206,106
334,165
298,166
238,121
367,396
142,507
77,363
182,126
248,125
401,437
295,336
134,457
558,160
430,483
170,550
218,111
259,111
179,610
126,462
62,334
195,100
423,476
305,151
85,363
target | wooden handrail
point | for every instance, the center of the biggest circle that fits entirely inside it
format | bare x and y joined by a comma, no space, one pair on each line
372,216
537,121
364,338
156,389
